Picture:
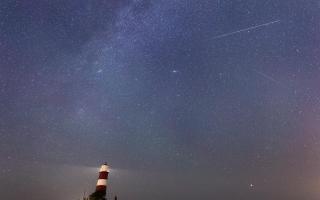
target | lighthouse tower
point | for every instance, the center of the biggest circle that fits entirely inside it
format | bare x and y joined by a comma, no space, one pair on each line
102,180
101,187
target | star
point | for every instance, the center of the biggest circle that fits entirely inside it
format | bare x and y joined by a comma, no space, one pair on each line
174,71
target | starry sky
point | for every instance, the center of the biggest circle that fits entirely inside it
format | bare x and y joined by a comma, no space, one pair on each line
185,99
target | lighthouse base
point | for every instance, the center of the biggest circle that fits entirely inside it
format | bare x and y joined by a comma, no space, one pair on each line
98,195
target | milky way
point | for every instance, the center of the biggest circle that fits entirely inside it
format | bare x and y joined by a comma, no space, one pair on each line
148,87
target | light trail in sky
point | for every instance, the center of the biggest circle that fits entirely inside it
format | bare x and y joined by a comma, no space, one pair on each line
245,29
267,77
270,78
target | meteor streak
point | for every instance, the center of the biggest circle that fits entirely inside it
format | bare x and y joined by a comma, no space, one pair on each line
271,79
246,29
267,77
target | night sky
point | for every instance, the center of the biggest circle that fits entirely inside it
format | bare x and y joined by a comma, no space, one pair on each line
185,99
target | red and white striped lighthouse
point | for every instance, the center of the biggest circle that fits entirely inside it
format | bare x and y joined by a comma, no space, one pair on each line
102,180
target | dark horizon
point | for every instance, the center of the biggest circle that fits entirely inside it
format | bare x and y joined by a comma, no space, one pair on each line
212,99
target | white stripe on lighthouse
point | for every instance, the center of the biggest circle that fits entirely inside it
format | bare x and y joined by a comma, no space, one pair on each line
102,182
104,168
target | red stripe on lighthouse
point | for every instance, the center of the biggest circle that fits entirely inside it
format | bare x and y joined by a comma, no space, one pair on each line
103,175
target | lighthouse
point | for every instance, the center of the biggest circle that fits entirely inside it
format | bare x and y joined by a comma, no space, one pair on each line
103,177
101,187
